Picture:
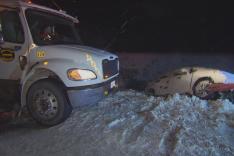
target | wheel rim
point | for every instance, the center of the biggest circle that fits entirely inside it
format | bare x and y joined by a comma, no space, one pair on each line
201,88
45,104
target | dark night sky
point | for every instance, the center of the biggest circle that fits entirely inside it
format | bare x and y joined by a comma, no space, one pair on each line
150,25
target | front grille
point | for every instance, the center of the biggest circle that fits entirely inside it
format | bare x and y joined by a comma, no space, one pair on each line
110,68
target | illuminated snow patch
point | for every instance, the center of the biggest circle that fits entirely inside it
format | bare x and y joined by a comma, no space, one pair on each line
131,123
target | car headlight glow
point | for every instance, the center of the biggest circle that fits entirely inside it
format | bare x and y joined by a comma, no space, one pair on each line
81,74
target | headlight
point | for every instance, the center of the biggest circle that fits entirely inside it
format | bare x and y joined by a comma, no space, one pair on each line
81,74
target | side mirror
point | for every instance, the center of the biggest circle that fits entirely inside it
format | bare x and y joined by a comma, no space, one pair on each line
1,38
23,61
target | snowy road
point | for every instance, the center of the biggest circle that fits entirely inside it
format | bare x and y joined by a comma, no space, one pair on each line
130,123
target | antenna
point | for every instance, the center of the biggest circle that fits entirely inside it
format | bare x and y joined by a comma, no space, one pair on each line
56,5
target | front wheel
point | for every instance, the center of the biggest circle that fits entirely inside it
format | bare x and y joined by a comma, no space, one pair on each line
47,103
200,87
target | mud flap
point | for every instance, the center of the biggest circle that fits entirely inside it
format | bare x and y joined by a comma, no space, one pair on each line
9,95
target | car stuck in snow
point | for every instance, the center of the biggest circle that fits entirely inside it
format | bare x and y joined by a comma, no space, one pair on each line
44,66
198,81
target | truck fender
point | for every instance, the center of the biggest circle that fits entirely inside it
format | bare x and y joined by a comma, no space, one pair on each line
33,77
42,71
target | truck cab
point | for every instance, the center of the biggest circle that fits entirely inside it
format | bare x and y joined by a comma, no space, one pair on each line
45,67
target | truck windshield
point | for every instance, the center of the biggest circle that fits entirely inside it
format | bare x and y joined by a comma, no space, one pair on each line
50,29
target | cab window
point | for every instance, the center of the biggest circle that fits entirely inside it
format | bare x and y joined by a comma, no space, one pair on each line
11,27
50,29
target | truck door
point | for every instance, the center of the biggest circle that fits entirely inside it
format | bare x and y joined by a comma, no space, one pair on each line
14,45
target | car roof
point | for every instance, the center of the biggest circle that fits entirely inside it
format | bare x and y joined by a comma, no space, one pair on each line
22,4
199,68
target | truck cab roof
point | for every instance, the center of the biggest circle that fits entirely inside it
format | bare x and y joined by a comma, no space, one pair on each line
22,4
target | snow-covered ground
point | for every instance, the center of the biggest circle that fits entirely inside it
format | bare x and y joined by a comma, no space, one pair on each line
130,123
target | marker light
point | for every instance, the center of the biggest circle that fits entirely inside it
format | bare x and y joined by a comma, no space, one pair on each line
29,1
45,63
80,74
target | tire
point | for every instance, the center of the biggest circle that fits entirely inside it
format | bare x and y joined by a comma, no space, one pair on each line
200,87
47,103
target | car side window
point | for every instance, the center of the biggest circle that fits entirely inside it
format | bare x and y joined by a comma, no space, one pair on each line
179,73
11,27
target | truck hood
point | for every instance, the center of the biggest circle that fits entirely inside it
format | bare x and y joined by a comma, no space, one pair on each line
83,49
86,49
71,52
61,58
82,56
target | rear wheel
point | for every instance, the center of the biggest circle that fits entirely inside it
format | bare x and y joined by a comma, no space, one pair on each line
47,103
200,87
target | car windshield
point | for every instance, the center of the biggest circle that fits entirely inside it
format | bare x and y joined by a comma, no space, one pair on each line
50,29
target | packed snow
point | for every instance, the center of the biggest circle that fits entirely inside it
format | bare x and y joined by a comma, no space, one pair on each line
131,123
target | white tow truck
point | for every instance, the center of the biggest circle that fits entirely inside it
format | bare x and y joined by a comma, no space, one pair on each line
45,68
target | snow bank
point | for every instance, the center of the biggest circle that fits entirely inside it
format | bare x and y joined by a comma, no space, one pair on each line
130,123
